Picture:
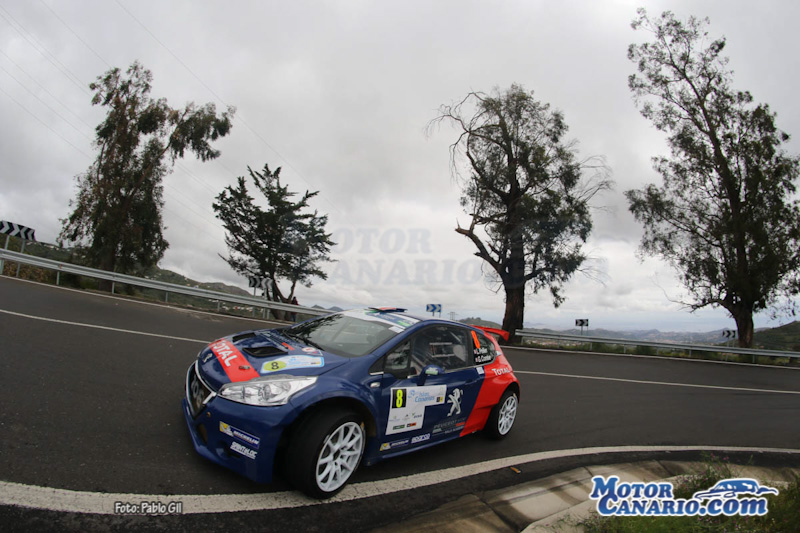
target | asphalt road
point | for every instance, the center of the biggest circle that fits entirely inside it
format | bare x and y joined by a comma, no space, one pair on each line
91,387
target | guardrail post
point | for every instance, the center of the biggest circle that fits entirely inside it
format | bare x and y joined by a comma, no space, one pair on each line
2,262
166,296
113,286
58,277
22,251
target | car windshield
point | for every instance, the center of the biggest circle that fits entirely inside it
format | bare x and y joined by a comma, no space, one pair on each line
349,334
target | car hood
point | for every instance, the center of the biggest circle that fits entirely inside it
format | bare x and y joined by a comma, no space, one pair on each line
251,354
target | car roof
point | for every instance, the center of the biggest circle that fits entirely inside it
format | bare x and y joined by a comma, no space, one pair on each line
402,312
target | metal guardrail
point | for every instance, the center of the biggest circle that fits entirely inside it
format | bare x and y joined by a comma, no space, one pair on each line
70,268
657,345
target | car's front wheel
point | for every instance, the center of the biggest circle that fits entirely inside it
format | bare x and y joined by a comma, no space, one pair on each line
325,452
502,417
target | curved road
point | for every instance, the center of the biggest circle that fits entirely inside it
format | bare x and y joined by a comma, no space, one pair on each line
92,385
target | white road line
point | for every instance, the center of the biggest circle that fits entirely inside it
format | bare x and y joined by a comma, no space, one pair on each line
107,328
62,500
643,382
140,302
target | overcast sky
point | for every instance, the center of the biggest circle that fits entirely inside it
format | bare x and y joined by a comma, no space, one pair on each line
339,94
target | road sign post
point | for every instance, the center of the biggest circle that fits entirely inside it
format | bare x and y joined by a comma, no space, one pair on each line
729,335
582,323
10,229
434,308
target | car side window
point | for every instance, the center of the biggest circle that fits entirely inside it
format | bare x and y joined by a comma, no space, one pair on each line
445,346
396,362
485,351
448,347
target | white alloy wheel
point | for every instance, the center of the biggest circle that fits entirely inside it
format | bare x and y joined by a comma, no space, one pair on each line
339,457
507,414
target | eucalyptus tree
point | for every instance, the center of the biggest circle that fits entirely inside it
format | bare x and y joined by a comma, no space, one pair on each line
725,215
116,214
526,191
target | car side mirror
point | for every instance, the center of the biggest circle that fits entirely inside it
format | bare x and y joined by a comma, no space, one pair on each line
430,370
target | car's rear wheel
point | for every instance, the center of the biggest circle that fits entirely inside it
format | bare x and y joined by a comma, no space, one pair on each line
503,415
325,452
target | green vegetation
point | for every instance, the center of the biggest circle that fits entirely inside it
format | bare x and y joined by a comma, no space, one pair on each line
480,322
284,242
726,215
116,215
783,515
526,190
69,255
786,337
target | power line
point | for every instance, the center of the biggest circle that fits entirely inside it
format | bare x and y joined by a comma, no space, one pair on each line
98,56
202,216
219,98
43,88
45,103
44,124
41,49
176,193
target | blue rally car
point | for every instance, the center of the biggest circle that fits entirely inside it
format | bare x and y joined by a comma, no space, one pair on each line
333,392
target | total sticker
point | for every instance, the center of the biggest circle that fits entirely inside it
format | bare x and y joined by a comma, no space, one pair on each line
292,361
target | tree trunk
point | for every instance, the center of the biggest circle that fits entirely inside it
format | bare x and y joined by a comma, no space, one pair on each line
515,311
107,263
514,282
744,326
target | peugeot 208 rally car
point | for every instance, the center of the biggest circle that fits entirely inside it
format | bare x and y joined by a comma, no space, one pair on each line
351,387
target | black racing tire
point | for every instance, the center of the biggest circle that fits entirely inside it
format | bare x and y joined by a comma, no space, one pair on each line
325,451
502,417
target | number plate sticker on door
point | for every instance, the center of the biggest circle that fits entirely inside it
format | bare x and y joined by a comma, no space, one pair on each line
290,362
407,409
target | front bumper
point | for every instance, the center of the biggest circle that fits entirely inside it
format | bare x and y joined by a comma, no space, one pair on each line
243,438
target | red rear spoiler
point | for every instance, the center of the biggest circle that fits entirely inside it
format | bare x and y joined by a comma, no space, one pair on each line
494,331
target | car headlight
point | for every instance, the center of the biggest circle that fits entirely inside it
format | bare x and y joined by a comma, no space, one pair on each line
266,390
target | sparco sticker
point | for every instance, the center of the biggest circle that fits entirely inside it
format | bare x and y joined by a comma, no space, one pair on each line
244,450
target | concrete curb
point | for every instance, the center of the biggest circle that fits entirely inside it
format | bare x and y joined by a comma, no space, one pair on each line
557,503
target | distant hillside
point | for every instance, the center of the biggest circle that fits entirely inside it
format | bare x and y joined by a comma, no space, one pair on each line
785,337
653,335
169,276
480,322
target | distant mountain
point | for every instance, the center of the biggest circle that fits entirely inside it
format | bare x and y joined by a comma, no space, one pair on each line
654,335
480,322
786,337
169,276
783,338
333,309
